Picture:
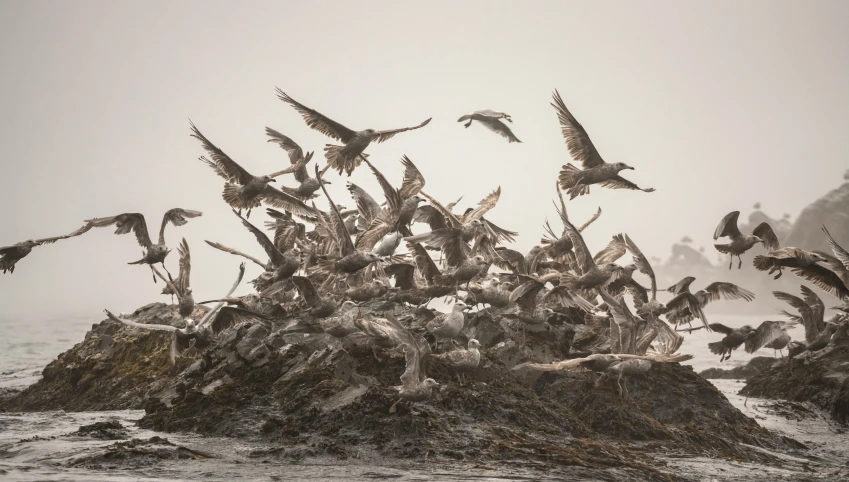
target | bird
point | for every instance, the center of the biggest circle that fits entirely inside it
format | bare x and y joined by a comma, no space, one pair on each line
342,158
575,181
155,253
341,323
833,279
281,266
10,255
734,337
740,243
632,367
243,190
200,335
182,286
491,120
811,311
462,360
781,258
415,386
320,306
685,307
446,326
308,186
770,334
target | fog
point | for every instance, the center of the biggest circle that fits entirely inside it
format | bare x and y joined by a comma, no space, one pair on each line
716,104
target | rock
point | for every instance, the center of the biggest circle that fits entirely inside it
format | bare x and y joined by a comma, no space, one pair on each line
831,210
111,430
253,337
755,365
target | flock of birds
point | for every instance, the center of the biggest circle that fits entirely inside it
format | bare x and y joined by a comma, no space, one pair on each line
351,256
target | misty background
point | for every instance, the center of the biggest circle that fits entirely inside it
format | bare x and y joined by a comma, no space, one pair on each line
717,105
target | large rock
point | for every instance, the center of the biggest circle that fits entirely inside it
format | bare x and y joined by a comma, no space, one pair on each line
831,210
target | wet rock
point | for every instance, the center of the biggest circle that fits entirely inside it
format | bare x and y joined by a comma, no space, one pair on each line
111,430
754,366
254,336
135,453
819,378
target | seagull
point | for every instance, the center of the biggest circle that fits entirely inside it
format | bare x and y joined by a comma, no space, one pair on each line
243,190
780,258
595,170
811,311
308,187
446,326
740,243
9,255
347,157
154,253
686,306
835,278
632,367
319,306
462,360
415,384
181,288
770,334
734,337
490,120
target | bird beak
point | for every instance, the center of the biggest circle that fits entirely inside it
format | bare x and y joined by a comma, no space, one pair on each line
326,182
631,168
273,180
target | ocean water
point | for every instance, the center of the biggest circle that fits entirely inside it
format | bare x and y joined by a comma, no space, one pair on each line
42,446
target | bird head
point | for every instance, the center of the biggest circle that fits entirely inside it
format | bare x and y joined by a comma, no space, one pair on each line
621,166
372,257
474,344
30,243
818,258
348,304
430,383
460,306
370,133
419,199
188,291
479,260
267,179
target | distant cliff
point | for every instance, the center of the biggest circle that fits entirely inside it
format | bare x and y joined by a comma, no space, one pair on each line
831,210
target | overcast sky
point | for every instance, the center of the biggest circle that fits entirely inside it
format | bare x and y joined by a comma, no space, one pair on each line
717,104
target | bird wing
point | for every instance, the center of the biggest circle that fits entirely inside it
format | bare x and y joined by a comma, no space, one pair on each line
838,250
642,264
177,217
386,135
767,235
229,316
233,251
578,142
270,249
682,285
184,278
499,128
223,165
366,205
318,121
85,228
619,182
824,278
287,144
343,237
414,180
170,288
307,290
424,262
146,326
613,251
404,274
815,303
510,259
499,235
201,324
449,240
765,333
431,216
591,220
393,198
280,199
728,226
719,327
638,292
694,305
416,352
729,291
450,219
125,223
582,253
484,206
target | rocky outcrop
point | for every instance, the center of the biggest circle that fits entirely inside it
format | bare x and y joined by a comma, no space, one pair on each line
832,211
309,394
821,378
755,365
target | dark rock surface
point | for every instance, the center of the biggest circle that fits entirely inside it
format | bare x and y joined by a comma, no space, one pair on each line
831,210
311,395
743,372
821,378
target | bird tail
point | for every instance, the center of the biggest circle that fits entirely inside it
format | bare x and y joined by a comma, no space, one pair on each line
7,264
568,279
290,191
716,348
762,263
578,190
723,248
569,176
342,159
231,197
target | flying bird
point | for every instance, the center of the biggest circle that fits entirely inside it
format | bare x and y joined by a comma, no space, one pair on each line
491,120
348,157
308,186
10,255
575,181
155,253
740,243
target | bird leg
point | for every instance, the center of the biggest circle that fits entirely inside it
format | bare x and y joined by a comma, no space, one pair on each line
731,262
152,273
598,381
468,124
781,353
166,270
740,264
779,273
394,408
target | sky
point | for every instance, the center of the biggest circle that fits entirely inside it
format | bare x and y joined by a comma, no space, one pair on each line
717,105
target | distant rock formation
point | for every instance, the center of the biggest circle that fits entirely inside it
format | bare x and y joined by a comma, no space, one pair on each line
831,210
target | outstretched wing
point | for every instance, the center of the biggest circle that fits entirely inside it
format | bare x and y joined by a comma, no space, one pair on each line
233,251
619,182
729,291
125,223
642,264
177,217
270,249
838,250
728,226
413,182
386,135
721,328
280,199
613,251
767,235
500,128
306,289
578,141
318,121
366,205
484,206
416,352
146,326
824,278
765,333
224,166
582,253
85,228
